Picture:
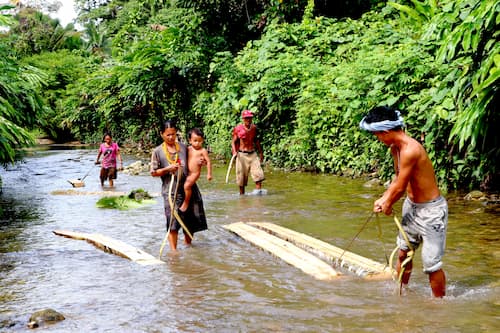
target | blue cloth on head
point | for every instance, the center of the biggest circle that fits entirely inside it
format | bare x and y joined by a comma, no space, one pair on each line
380,126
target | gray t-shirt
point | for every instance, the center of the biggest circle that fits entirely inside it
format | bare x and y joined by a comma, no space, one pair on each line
159,160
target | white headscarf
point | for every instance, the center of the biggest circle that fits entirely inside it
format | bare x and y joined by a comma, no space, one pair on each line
384,125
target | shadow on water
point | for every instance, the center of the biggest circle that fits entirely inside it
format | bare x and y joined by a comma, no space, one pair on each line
222,283
15,216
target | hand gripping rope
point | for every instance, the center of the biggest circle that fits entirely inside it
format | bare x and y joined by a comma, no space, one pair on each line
390,261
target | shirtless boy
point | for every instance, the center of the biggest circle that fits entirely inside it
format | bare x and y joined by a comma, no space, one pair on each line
425,211
245,144
196,152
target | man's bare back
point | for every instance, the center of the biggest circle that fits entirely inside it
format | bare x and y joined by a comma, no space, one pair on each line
414,171
417,168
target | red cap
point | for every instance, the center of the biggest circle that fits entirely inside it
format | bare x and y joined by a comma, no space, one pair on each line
246,114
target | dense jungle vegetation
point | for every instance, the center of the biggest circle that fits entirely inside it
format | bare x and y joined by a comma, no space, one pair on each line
309,70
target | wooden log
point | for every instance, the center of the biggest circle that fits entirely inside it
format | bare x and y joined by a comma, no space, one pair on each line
110,245
338,257
285,250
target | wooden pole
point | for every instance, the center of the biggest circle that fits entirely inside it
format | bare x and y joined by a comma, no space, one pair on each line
285,250
360,265
110,245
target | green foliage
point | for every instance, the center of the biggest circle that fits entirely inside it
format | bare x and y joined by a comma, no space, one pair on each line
134,199
309,78
96,40
310,84
5,19
473,46
154,79
35,32
62,68
20,104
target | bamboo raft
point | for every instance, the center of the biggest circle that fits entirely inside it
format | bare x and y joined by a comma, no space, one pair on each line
288,252
110,245
263,233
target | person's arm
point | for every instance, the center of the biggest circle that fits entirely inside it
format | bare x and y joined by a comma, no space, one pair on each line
155,171
119,158
98,156
406,162
209,164
258,146
234,143
259,149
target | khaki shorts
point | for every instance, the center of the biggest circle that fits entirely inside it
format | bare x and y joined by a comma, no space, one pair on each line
426,223
248,164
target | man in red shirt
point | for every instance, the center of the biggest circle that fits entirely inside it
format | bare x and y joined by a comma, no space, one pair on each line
246,145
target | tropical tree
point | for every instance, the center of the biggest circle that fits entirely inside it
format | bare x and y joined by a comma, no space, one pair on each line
36,32
11,131
20,104
465,37
311,82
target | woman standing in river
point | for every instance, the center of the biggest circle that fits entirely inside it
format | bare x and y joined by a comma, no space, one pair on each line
110,152
169,161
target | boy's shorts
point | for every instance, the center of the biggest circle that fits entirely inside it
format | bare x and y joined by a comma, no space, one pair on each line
426,223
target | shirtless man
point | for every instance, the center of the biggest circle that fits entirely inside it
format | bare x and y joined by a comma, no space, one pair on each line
425,211
244,144
196,152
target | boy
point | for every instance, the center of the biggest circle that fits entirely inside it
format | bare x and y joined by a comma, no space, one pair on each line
196,152
425,211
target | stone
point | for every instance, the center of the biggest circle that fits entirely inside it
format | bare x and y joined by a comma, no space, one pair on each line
47,316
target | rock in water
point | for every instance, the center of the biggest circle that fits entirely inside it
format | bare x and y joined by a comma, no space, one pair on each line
47,316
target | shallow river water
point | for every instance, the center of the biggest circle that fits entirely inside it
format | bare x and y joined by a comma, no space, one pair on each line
223,283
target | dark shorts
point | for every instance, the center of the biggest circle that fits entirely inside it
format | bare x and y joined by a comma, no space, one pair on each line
108,173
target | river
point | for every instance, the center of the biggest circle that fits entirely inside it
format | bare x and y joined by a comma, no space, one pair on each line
223,283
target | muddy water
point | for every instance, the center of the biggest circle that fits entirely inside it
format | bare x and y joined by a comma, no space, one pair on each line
222,283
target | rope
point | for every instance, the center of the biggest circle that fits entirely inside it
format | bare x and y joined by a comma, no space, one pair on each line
379,227
390,260
409,254
173,211
88,172
164,242
229,168
356,236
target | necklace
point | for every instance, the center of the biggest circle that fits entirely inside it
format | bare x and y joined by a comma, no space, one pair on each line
168,154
